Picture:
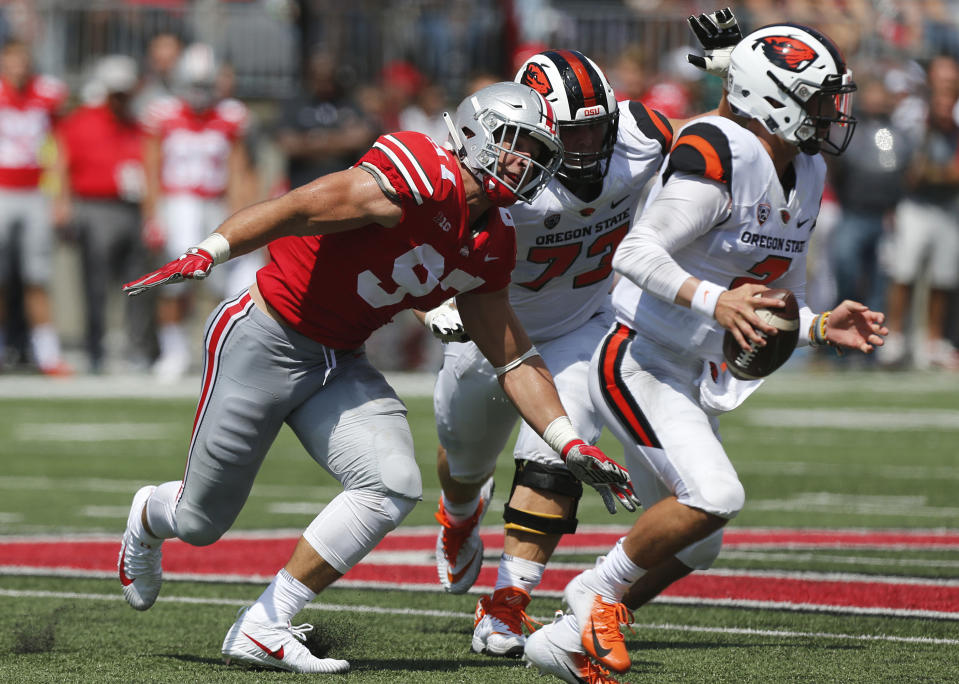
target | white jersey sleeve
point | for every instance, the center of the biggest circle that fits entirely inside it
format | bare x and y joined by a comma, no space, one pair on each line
763,239
565,246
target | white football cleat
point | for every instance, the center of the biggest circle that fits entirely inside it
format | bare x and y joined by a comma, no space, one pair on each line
599,621
459,548
275,647
543,651
500,618
139,563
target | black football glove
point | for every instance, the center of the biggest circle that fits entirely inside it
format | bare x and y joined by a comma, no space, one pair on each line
717,33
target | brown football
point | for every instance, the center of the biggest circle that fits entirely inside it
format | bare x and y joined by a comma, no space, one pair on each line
758,361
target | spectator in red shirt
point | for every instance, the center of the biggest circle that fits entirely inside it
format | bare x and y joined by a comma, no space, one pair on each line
29,104
101,185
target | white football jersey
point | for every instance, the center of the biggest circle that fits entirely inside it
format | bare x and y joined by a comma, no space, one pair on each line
564,246
764,240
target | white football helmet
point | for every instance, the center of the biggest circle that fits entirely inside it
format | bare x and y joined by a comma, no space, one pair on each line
506,118
585,108
194,78
794,81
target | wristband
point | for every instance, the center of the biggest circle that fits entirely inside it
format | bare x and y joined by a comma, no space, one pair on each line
500,370
705,298
217,247
559,433
817,331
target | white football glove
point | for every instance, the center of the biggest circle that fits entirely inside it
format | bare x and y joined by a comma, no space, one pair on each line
718,33
445,323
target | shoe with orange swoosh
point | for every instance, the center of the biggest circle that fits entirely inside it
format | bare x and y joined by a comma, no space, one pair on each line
500,618
459,548
545,651
139,563
599,622
278,647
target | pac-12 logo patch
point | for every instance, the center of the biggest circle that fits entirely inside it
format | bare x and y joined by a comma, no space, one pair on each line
551,221
762,212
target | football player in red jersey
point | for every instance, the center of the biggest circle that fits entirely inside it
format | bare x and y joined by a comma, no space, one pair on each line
729,217
411,224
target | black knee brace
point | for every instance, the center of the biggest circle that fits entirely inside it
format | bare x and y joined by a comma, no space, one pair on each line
549,479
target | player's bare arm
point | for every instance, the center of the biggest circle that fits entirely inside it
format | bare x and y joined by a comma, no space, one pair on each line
335,203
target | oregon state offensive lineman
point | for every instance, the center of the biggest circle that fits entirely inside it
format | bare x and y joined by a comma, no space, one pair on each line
410,225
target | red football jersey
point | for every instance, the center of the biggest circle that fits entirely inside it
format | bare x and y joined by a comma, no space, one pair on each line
26,119
196,147
104,154
339,288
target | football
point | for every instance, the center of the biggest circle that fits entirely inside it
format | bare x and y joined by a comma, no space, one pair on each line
758,362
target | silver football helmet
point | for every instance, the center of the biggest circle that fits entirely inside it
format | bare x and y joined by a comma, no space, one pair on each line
585,107
794,81
194,77
500,120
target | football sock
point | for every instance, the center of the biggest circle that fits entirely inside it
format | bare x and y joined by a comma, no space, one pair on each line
460,512
161,510
519,572
615,574
285,597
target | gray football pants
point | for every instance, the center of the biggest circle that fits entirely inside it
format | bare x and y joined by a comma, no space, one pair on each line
259,374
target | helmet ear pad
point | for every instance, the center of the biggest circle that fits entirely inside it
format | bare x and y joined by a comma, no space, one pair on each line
794,81
581,96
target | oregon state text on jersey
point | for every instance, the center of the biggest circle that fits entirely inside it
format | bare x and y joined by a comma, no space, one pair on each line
339,288
196,146
764,240
565,246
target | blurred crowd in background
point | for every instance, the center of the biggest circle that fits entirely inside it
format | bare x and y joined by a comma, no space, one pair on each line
130,128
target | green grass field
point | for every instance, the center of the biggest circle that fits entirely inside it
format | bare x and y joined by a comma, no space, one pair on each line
815,450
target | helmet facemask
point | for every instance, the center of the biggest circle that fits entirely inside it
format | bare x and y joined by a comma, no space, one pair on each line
588,146
828,125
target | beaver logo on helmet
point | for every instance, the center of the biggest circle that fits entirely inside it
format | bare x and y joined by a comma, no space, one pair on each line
536,79
787,52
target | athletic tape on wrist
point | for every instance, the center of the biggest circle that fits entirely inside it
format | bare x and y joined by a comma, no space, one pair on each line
217,246
705,298
559,433
515,362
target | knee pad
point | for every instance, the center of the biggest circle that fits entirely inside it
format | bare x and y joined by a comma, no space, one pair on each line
718,492
353,523
195,528
549,479
702,554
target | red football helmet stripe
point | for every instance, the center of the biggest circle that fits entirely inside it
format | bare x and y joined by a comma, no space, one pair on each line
590,96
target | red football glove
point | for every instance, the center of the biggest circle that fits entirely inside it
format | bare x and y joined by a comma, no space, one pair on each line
195,264
590,465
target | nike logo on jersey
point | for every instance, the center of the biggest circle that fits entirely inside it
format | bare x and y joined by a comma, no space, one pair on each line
800,224
618,202
278,653
600,651
487,257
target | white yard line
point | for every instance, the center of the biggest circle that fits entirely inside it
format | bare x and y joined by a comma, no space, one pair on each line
378,610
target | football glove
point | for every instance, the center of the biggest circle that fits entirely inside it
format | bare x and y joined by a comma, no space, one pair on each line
590,465
717,33
445,323
195,264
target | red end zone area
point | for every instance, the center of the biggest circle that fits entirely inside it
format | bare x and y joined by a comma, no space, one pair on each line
404,560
